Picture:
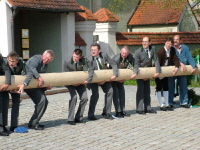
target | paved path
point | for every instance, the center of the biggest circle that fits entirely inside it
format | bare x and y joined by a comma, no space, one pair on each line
176,130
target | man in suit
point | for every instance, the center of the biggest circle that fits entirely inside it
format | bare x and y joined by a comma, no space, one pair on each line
145,57
167,57
35,65
99,61
77,63
4,70
15,66
185,58
122,59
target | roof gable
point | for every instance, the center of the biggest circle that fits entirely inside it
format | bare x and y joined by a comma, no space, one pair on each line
87,15
151,12
79,41
104,15
56,5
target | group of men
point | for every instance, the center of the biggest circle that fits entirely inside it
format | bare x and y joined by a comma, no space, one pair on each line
172,54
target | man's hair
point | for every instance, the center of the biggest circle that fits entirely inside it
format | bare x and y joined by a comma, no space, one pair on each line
50,52
179,36
13,54
147,37
78,52
169,40
126,47
96,44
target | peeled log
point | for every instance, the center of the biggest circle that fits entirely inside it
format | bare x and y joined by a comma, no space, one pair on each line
70,78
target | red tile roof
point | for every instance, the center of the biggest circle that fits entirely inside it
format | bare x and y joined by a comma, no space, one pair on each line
56,5
104,15
130,38
79,41
151,12
87,15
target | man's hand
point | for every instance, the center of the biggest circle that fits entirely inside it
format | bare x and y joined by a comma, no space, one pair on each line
14,91
40,81
4,87
156,75
21,89
49,87
175,71
76,84
101,83
183,67
133,76
193,71
113,78
121,81
85,82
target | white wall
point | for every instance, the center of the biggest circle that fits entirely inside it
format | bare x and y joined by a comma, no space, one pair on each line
5,28
107,37
165,28
86,29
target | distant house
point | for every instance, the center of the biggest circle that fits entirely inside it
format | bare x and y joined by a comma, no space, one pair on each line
34,26
163,16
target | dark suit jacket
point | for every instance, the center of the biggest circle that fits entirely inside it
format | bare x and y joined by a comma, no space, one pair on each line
15,71
69,65
34,66
128,60
104,60
172,60
142,60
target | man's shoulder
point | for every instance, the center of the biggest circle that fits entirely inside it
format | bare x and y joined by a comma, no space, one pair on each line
67,60
184,46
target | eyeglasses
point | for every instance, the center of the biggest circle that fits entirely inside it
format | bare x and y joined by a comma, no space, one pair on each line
145,41
12,61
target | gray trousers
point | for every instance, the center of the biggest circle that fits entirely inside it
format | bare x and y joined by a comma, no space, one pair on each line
14,111
143,99
118,96
107,89
39,99
81,90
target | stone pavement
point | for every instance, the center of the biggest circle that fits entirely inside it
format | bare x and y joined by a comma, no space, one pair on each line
178,130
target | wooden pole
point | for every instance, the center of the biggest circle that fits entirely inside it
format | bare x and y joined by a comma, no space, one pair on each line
70,78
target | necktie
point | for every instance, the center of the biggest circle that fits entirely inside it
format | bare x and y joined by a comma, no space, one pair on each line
75,65
99,64
147,52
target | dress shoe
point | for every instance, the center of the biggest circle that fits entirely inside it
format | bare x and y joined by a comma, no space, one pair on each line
151,111
125,114
92,118
107,116
4,133
163,108
80,121
170,108
186,106
12,129
36,127
140,112
71,122
119,115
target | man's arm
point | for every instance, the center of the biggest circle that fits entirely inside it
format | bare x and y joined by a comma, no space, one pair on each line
90,71
7,71
113,64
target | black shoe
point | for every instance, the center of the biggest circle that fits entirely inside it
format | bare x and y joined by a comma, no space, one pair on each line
107,116
4,133
12,129
71,122
36,127
92,118
151,111
119,115
140,112
163,108
170,108
186,106
80,121
125,114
